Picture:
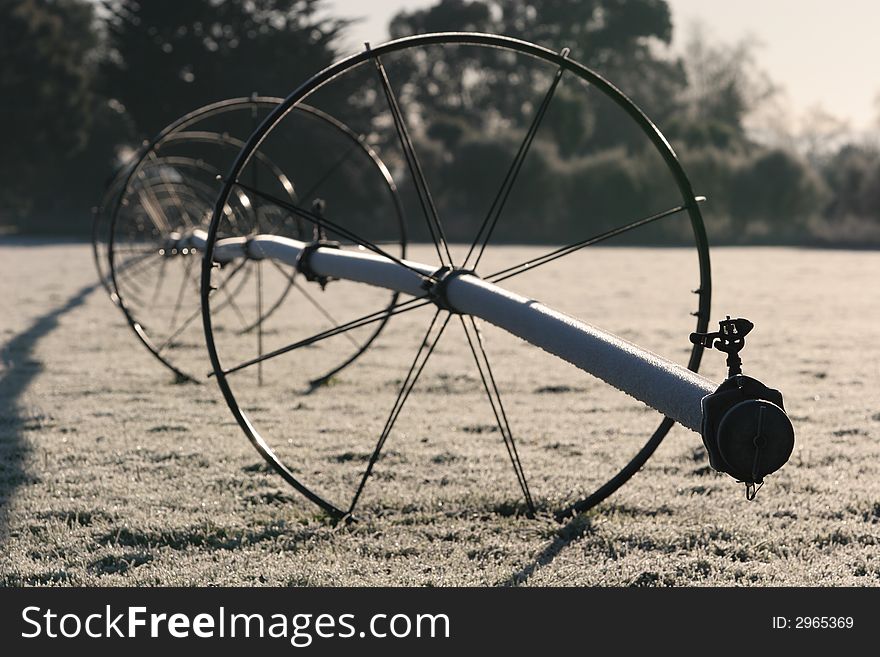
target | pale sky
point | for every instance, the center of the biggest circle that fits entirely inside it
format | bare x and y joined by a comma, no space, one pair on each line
823,54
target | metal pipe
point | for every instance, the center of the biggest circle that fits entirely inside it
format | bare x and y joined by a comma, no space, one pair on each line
662,384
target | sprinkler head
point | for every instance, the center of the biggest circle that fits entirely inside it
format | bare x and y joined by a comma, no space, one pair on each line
745,428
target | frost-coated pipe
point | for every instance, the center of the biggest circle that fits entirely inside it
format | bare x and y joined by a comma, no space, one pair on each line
662,384
673,390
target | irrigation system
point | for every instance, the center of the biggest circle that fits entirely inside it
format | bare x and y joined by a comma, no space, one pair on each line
221,189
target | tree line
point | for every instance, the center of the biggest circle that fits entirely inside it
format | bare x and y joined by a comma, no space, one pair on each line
83,83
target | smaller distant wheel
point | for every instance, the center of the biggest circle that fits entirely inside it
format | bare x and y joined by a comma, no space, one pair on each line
158,207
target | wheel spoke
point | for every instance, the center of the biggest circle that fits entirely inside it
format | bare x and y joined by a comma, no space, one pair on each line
180,293
491,219
180,329
144,260
171,188
323,311
159,280
326,223
154,209
133,250
406,306
332,169
571,248
136,266
134,278
255,206
481,358
426,348
277,303
415,168
189,320
259,278
230,301
173,193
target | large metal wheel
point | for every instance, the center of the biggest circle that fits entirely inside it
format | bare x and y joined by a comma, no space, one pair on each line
363,89
167,195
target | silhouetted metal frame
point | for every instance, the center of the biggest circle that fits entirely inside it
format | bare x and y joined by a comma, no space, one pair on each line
214,138
188,119
560,59
123,183
184,192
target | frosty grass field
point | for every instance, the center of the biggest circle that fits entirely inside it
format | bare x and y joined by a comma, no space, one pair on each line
113,474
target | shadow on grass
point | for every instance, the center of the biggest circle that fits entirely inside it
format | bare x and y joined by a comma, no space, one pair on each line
573,530
20,367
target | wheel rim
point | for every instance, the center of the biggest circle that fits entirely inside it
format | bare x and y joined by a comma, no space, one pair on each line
564,64
101,228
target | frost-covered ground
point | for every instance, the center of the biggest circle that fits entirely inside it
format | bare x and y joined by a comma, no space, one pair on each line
113,474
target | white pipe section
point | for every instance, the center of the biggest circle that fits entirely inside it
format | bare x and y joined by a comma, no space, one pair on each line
662,384
360,266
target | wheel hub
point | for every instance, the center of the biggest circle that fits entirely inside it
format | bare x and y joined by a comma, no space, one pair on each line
438,283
